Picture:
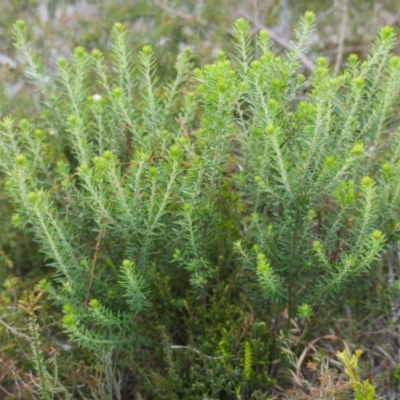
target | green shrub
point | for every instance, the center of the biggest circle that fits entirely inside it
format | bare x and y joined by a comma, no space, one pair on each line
188,223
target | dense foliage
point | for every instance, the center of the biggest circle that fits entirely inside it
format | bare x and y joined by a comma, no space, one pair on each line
188,225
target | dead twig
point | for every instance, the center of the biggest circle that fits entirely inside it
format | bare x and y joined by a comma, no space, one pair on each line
15,332
284,43
96,252
342,35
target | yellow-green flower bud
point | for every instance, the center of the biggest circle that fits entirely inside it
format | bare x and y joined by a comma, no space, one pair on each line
39,134
62,63
353,58
96,53
118,27
72,120
32,197
359,82
271,103
317,245
329,162
304,312
255,65
377,235
108,155
221,85
262,263
242,25
16,220
20,159
357,149
300,79
153,172
79,52
197,73
270,129
394,62
367,181
175,152
20,23
386,32
387,171
94,303
147,50
309,17
24,124
117,92
68,319
127,264
321,62
264,36
182,140
83,169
